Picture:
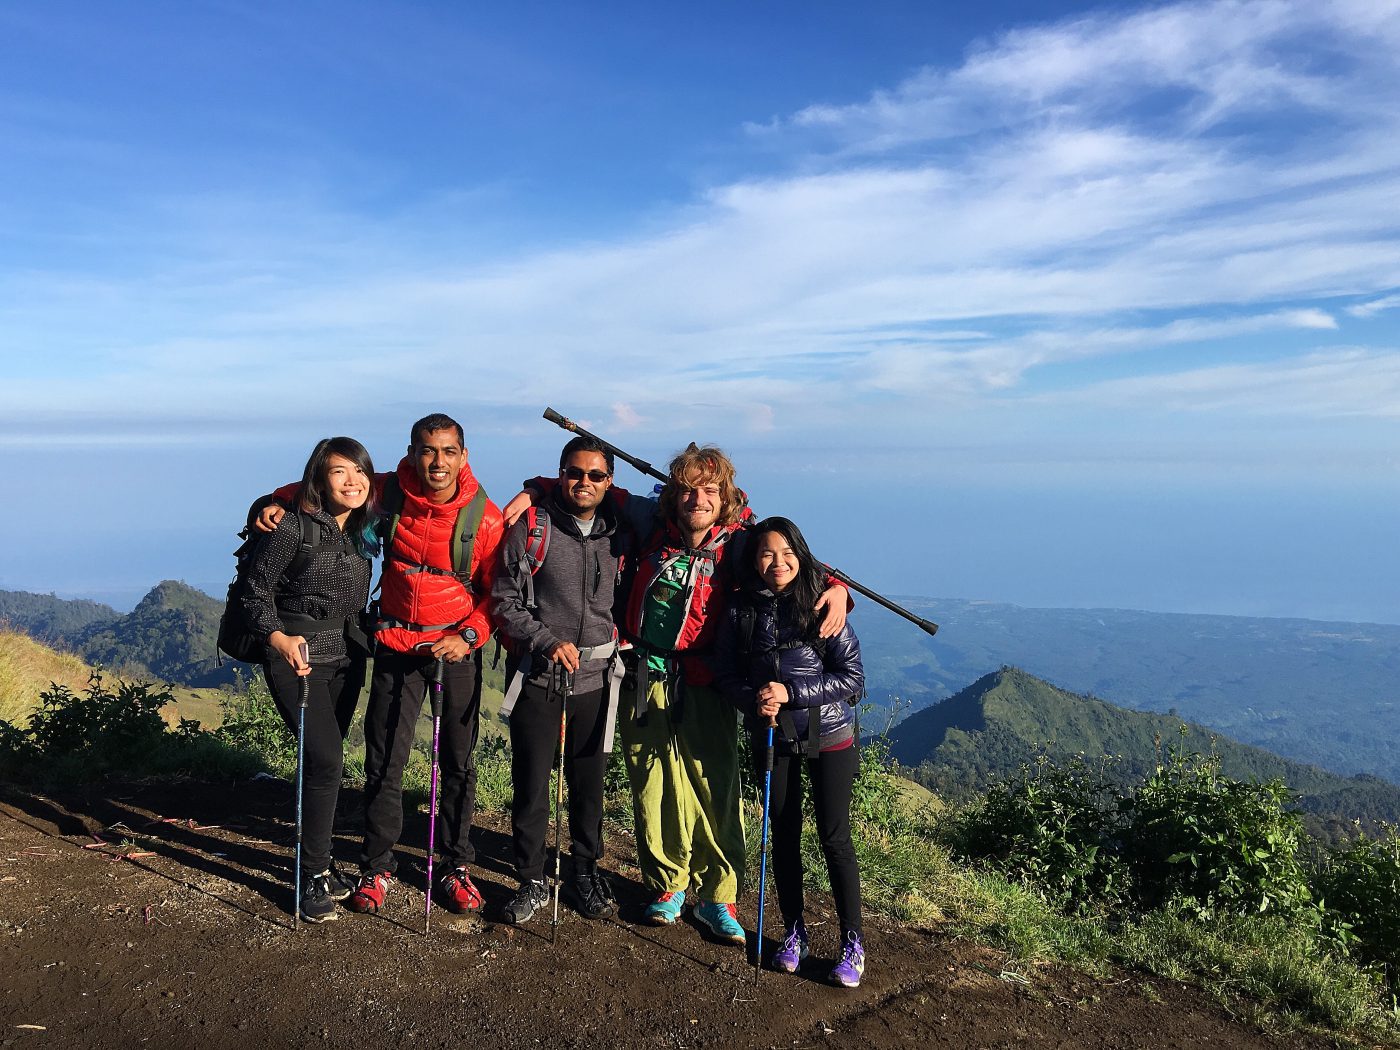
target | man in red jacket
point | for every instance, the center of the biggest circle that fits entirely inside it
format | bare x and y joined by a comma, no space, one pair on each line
428,609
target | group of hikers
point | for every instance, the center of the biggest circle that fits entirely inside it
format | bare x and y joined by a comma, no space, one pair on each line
658,617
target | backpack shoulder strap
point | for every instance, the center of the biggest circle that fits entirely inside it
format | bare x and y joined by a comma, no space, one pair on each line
469,520
391,504
746,617
311,536
537,533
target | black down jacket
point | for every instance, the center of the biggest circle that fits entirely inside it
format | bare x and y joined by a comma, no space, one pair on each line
828,676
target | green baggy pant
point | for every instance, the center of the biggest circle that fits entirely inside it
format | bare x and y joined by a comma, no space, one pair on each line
685,794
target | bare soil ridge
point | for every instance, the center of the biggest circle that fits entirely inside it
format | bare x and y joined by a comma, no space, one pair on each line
155,915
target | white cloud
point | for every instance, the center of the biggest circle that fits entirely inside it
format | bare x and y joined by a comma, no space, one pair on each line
1374,306
1188,176
1342,382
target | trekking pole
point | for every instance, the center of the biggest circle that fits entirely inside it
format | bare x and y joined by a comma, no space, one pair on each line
763,842
301,756
928,626
436,679
565,689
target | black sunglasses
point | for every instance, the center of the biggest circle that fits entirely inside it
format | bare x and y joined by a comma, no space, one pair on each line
578,474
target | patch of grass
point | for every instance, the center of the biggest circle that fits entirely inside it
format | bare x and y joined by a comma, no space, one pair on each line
27,668
1263,960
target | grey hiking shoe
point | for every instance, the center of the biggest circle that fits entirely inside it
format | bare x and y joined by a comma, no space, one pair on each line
531,898
593,897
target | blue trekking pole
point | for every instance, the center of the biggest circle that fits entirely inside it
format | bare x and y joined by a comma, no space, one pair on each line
301,755
763,843
436,679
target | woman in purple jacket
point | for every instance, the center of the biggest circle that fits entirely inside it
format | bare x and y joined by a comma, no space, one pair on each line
771,662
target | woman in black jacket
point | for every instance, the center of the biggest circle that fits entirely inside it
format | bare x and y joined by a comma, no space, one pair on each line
304,589
771,663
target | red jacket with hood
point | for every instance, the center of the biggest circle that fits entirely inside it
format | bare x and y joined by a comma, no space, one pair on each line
424,537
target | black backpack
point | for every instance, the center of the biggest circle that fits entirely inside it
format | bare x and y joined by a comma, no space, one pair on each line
236,639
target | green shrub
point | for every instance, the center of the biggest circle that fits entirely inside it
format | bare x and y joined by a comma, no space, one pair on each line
252,724
1360,887
1213,844
1052,827
76,737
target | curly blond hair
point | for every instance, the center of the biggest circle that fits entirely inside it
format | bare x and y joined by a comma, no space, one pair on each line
697,466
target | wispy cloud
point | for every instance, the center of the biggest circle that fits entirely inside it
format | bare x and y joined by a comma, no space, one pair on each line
1194,175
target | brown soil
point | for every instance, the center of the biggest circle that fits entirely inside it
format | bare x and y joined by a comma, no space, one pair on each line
174,933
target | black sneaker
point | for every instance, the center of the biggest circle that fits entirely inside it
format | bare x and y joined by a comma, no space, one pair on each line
593,897
342,885
532,897
318,900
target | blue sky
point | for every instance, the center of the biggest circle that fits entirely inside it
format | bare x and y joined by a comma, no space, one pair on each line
1075,305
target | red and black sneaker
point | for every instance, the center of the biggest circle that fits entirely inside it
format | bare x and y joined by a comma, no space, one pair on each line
370,893
459,893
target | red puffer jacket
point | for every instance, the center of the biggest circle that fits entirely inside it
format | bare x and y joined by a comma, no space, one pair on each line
424,537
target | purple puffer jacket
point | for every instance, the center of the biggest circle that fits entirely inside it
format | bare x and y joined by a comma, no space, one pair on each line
831,680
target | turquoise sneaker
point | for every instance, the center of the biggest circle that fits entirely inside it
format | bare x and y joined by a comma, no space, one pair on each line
722,920
665,910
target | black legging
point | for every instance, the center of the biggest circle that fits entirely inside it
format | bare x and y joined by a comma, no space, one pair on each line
333,690
534,746
833,773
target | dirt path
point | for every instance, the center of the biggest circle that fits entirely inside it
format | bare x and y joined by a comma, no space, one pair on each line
174,934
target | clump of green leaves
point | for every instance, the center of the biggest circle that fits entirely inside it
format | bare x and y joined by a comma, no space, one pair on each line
1053,827
253,725
1360,888
1211,843
74,737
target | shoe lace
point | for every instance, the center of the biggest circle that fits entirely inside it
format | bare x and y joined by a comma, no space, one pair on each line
793,940
853,952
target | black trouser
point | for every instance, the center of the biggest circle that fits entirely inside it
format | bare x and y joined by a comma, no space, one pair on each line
333,690
832,773
396,693
534,746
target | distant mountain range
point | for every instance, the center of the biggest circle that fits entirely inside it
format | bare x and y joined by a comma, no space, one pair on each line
1323,693
987,731
1326,693
169,635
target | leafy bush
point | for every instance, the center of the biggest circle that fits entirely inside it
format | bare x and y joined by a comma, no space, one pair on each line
1052,827
85,736
252,724
1214,844
1360,888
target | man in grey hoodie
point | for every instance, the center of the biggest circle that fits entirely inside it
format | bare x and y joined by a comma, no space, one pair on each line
554,593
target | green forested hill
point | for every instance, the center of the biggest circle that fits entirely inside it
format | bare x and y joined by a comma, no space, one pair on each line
50,619
985,732
170,633
1310,690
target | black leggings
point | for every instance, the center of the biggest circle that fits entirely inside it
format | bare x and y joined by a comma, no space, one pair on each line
333,690
833,773
534,746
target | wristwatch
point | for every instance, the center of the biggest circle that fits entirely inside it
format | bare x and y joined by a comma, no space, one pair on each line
470,636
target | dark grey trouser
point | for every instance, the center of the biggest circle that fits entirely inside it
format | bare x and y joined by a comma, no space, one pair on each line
396,696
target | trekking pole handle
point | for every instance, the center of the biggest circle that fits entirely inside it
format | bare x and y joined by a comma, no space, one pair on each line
573,428
304,651
927,626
